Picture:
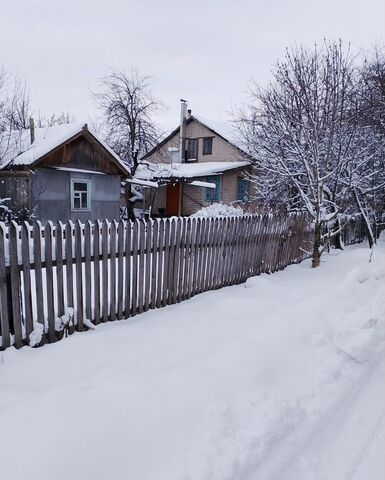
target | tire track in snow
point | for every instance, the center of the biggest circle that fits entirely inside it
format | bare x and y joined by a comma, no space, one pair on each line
338,412
371,453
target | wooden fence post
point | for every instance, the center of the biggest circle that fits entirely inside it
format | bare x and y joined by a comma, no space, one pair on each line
105,236
96,250
128,277
112,297
59,268
48,234
4,286
38,275
120,289
87,269
26,264
79,275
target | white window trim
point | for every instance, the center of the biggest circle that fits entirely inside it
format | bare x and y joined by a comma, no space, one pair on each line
88,182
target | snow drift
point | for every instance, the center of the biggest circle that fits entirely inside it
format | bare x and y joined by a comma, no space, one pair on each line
263,380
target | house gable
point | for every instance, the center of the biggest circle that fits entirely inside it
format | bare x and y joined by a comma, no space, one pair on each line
83,151
222,151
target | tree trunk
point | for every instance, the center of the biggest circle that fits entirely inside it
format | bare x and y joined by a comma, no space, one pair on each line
316,260
369,231
338,241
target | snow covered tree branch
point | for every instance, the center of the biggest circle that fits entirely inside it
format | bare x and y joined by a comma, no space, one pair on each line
306,132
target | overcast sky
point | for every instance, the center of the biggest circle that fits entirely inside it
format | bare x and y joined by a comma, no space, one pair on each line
203,51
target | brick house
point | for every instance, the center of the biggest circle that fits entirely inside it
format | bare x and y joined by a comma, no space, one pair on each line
210,169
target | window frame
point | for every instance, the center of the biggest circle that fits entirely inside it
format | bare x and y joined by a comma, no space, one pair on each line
189,150
211,145
239,181
217,179
88,183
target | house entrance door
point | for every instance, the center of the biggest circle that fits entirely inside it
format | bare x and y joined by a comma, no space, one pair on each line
172,199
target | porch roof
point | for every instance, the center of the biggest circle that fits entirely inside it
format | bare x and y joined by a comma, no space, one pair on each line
155,171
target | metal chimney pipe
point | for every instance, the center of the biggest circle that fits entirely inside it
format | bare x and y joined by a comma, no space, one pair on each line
32,129
182,133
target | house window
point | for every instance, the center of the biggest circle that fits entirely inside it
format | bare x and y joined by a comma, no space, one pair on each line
213,194
207,146
242,189
192,149
80,194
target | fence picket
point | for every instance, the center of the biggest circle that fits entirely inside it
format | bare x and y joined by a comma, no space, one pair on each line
135,267
79,276
87,270
39,275
176,262
141,276
154,263
187,259
167,227
48,235
26,262
120,290
105,296
4,286
59,268
15,284
148,258
128,277
112,279
96,262
194,282
160,275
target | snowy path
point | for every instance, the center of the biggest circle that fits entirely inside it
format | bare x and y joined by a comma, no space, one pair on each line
348,444
277,379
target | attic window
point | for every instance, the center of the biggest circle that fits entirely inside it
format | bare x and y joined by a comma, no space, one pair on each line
192,149
80,194
207,146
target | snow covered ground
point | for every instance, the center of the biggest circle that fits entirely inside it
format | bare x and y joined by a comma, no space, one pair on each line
279,378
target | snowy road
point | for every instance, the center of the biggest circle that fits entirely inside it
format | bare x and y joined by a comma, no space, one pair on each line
349,443
281,378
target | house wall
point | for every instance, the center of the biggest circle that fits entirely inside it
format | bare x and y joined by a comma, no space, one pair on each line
16,186
193,198
51,191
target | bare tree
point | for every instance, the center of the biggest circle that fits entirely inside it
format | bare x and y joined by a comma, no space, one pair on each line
303,129
14,110
54,119
128,107
19,107
369,180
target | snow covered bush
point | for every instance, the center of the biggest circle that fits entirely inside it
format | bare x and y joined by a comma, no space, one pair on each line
220,210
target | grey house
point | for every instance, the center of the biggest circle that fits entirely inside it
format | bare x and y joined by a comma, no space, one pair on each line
64,172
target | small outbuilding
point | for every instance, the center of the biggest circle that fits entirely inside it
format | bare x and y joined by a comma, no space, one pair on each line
63,172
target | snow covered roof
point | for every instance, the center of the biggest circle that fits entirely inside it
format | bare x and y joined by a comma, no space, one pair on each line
224,129
149,171
18,150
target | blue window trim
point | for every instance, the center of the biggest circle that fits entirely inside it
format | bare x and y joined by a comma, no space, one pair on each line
214,195
242,189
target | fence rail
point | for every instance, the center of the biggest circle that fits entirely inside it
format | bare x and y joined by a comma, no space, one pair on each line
61,278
